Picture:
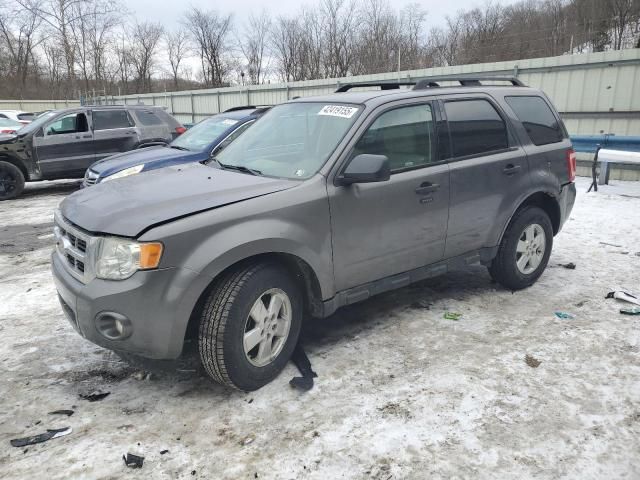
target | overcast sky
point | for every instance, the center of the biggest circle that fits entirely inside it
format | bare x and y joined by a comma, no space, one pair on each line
168,11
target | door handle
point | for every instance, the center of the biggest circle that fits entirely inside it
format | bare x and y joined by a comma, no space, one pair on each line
86,136
427,187
511,169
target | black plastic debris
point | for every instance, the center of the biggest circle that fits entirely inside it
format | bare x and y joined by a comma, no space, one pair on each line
43,437
68,413
301,361
133,461
162,452
94,396
568,266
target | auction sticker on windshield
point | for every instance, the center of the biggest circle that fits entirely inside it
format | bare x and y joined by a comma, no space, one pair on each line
229,121
338,111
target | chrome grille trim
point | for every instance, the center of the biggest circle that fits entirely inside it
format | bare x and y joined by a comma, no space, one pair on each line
75,249
90,178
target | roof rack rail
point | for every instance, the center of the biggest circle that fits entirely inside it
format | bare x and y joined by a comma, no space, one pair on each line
383,84
431,82
242,107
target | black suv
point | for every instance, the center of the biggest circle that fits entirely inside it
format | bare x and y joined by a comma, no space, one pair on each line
64,143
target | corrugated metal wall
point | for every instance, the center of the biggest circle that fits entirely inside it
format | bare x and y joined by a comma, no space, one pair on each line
596,93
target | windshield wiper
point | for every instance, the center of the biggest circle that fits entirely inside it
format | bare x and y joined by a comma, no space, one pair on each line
238,168
178,147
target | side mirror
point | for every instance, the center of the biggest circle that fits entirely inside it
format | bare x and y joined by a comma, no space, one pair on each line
366,168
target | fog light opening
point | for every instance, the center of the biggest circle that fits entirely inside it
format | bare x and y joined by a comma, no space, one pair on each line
113,326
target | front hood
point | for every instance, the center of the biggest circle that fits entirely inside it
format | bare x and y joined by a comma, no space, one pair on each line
129,205
116,163
8,138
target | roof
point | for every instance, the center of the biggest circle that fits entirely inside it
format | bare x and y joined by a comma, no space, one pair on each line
378,97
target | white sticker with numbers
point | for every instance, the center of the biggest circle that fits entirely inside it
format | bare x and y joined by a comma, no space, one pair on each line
229,121
338,111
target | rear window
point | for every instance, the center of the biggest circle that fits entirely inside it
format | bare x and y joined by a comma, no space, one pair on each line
537,118
108,119
27,117
475,127
147,117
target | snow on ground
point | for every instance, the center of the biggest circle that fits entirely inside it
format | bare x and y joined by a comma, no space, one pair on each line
401,392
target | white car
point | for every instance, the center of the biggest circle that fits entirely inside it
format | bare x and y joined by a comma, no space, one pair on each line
18,115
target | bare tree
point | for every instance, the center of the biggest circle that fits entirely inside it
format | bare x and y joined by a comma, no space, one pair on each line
254,44
177,50
209,31
18,35
145,39
622,13
338,25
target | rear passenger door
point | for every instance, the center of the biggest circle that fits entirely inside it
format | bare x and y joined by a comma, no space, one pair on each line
385,228
113,131
488,169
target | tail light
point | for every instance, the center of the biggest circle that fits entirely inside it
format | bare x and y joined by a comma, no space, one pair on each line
180,130
8,131
571,164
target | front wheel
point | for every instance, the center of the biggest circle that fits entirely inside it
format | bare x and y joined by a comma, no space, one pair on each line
524,251
11,181
249,326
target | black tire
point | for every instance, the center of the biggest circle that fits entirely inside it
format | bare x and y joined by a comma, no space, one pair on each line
225,315
11,181
504,268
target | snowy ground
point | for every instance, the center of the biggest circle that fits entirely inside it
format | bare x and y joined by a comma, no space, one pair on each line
401,393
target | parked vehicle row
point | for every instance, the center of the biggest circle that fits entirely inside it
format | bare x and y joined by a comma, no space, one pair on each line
204,139
65,143
324,202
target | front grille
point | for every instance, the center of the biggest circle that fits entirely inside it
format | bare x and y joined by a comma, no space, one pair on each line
71,245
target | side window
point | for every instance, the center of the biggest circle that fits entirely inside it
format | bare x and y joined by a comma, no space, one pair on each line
72,123
108,119
405,135
147,117
537,119
475,127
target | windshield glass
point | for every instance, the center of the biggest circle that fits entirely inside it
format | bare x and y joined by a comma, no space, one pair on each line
291,140
200,136
38,122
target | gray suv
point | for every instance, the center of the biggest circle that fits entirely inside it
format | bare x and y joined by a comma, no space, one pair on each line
64,143
325,202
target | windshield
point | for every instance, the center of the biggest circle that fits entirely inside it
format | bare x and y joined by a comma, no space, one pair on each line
202,134
38,122
292,140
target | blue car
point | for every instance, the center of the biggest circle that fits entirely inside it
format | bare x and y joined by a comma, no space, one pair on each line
197,144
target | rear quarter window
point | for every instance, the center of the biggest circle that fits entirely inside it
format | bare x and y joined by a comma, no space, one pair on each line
536,117
147,118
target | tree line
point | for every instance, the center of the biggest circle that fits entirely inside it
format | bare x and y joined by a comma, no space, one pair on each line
65,48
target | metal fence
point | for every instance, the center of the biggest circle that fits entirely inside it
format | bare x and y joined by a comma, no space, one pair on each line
596,93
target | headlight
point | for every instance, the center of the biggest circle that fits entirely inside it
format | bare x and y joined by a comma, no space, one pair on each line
119,258
124,173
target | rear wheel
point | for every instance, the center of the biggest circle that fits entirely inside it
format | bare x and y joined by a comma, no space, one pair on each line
11,181
250,325
524,251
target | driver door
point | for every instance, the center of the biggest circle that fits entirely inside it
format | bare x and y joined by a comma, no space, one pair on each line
386,228
65,146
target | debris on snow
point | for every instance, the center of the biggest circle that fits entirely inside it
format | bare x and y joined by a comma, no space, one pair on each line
630,311
68,413
532,361
300,360
247,440
625,296
95,396
40,438
568,266
564,315
133,461
452,316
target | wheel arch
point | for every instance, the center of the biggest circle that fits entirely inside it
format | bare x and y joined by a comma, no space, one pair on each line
14,161
298,268
544,200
